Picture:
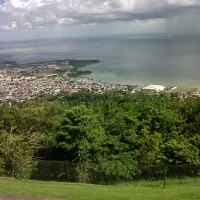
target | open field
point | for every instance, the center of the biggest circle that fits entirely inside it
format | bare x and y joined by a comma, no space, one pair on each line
178,189
186,89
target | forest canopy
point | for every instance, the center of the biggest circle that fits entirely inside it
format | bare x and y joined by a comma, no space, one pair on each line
95,131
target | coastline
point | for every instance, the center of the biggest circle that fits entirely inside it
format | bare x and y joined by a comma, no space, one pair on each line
78,64
70,68
123,60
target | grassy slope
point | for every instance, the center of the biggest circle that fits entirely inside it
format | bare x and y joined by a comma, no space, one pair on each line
175,190
186,89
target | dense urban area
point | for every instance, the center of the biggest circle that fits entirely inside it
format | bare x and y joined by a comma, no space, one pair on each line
21,82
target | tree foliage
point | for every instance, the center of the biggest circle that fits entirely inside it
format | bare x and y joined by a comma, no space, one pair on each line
110,133
16,152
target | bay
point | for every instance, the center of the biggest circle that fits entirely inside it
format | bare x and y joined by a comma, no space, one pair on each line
143,60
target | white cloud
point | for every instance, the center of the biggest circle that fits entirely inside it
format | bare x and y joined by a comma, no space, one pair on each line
29,4
183,2
48,13
65,21
9,26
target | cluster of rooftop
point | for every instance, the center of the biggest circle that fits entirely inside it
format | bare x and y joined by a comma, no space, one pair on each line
21,89
27,81
21,82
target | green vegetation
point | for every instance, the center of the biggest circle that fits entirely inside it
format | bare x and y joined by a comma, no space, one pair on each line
185,89
17,151
82,63
59,72
76,73
106,134
58,67
78,64
184,189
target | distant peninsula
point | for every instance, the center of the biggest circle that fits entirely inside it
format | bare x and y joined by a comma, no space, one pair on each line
66,67
76,64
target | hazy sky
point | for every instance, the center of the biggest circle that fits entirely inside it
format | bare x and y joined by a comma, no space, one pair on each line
29,19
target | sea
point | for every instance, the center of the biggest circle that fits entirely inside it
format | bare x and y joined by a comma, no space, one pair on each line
134,60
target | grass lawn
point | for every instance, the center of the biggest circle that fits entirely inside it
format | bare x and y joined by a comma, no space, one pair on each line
186,89
176,189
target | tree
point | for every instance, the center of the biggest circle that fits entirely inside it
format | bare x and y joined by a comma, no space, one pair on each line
180,151
81,135
17,151
159,122
119,153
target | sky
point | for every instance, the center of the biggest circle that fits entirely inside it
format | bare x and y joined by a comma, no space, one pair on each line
34,19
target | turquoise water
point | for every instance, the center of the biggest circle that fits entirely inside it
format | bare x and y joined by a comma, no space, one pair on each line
137,61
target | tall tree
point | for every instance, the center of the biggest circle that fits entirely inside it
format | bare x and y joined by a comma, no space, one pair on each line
17,151
81,135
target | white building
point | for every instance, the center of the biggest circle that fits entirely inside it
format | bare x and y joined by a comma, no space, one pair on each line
154,88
